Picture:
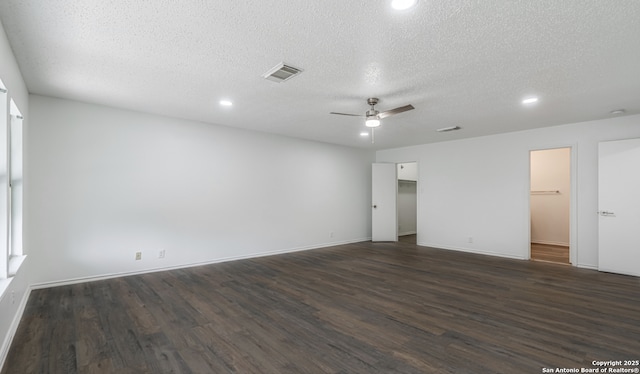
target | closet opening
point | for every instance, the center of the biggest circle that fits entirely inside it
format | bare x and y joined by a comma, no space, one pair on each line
407,199
550,205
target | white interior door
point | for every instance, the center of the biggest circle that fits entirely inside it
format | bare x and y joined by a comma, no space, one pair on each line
384,213
619,206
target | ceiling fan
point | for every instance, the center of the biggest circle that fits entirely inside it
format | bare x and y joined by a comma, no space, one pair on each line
373,117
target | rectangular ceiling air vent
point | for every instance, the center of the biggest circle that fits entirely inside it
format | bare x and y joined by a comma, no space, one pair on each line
281,73
452,128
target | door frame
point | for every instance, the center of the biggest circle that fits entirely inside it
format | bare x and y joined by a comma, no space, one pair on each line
573,201
417,194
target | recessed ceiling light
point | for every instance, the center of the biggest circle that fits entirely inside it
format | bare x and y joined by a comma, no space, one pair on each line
226,103
530,100
364,134
617,112
403,4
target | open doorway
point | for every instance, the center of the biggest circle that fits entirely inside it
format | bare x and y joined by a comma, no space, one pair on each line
550,205
407,202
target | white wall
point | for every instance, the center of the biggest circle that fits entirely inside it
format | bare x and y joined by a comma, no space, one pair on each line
106,183
11,306
550,171
408,171
479,187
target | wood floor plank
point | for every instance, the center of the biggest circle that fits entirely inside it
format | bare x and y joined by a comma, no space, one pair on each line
550,253
357,308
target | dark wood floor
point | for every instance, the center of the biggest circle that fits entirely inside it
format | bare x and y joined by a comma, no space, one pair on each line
550,253
358,308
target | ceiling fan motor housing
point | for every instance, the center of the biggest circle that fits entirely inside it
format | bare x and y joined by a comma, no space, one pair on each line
372,112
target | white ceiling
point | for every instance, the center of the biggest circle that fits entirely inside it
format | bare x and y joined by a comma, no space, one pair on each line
465,63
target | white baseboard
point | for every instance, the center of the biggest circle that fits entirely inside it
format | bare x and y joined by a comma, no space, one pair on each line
616,271
13,328
587,266
184,266
473,250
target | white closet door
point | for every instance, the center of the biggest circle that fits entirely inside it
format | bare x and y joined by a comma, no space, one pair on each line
384,212
619,206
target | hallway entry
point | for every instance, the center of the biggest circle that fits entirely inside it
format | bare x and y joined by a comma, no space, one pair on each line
550,186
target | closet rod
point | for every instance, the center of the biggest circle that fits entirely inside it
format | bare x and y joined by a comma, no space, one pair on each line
543,192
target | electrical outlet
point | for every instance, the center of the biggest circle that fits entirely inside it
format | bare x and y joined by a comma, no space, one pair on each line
138,256
13,297
470,239
162,253
331,234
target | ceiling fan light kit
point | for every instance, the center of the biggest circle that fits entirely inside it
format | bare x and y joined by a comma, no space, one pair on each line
372,122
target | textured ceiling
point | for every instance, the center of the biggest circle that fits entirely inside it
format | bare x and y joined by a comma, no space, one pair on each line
464,63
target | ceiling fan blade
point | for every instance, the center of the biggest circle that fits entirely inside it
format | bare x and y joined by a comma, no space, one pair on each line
391,112
347,114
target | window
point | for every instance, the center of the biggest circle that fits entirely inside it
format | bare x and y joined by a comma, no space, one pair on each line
4,185
10,185
15,182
